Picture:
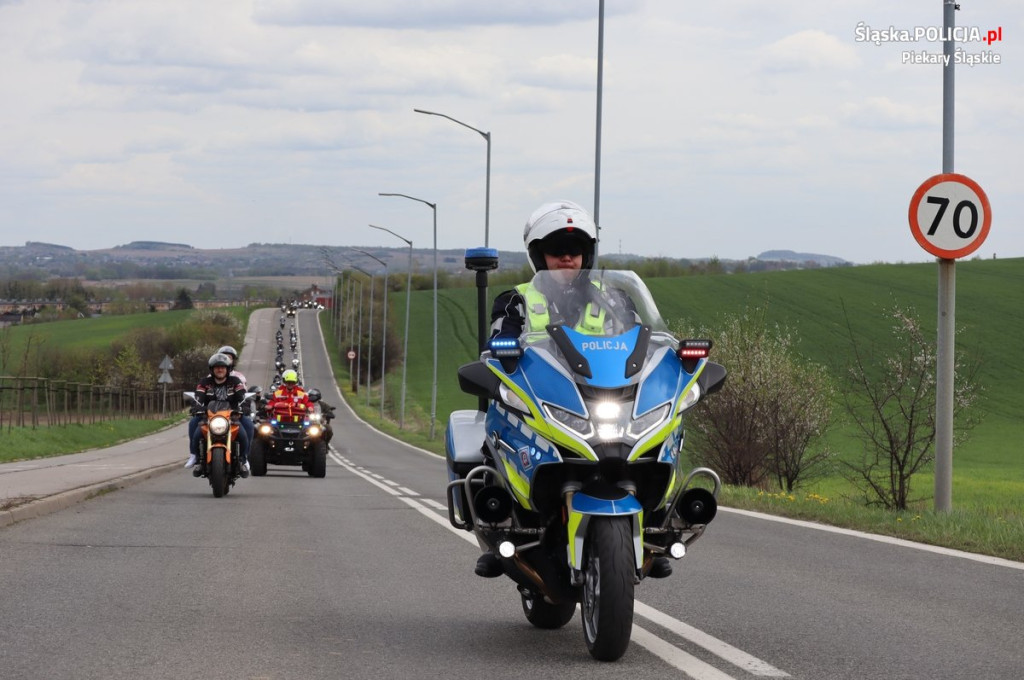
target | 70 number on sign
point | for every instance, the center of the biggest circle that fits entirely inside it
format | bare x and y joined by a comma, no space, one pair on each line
958,229
950,215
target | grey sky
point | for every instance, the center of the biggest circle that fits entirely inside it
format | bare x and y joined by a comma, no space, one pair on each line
729,128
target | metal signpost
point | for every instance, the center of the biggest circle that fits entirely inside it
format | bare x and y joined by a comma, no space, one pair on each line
950,217
165,377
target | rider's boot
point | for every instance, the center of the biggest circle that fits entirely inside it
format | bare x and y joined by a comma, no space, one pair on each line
489,566
660,567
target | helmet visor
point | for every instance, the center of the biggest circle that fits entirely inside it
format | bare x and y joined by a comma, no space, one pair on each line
560,245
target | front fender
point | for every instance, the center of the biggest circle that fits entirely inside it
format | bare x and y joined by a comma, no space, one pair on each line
581,507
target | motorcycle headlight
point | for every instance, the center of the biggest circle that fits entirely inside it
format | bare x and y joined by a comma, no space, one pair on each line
512,399
648,421
577,424
219,425
690,398
608,418
313,431
266,429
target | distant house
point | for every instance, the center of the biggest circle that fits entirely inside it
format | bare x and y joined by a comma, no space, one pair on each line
10,319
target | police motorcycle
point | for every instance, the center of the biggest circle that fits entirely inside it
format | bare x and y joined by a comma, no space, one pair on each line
574,475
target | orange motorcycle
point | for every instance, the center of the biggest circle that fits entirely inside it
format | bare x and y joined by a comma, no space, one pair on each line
219,459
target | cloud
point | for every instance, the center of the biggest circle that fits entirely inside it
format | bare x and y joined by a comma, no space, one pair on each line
432,15
885,114
809,50
560,72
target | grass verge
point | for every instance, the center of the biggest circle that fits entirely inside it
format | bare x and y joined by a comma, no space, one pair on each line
998,535
25,443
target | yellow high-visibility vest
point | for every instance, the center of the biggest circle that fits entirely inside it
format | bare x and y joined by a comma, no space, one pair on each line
538,317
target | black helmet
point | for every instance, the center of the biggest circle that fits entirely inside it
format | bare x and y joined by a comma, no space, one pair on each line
314,394
220,359
230,351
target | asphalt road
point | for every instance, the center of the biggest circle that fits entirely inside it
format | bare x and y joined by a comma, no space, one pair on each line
359,576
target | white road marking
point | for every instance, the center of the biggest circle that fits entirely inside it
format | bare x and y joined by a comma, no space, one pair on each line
675,657
948,552
724,650
436,505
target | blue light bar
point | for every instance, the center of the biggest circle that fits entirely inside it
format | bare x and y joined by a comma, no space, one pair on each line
504,347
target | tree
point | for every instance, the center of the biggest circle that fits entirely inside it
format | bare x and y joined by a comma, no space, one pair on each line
890,397
129,370
767,423
206,290
184,300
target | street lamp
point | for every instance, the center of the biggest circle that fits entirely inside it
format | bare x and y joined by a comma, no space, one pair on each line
433,389
408,298
369,322
384,333
487,195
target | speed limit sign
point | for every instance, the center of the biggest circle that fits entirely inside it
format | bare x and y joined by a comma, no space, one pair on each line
950,216
351,354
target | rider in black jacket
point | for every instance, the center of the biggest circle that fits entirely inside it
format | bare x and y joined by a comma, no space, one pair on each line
220,386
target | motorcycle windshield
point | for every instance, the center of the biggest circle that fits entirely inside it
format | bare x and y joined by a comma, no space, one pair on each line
600,325
218,405
618,298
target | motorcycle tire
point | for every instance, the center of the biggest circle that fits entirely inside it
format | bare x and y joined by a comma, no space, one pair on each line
543,614
258,458
607,601
218,473
318,465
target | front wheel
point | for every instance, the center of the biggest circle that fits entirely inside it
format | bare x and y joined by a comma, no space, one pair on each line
258,457
218,472
607,604
318,463
543,614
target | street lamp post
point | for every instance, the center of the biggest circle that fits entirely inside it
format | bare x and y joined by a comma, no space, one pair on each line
408,298
384,332
359,339
369,322
487,192
433,389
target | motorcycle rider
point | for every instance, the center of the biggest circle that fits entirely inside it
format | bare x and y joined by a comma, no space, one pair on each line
246,420
560,237
326,413
221,386
289,402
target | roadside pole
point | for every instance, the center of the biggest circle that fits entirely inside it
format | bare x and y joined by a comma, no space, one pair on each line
949,217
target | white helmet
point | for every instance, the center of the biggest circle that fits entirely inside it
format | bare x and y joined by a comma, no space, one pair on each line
561,219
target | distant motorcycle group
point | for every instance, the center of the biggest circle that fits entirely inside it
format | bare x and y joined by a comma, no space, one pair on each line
289,426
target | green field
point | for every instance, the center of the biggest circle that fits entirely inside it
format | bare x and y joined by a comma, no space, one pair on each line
97,332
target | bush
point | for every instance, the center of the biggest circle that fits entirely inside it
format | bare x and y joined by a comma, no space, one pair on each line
766,425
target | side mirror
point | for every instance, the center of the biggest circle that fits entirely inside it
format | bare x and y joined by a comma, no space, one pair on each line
712,378
478,380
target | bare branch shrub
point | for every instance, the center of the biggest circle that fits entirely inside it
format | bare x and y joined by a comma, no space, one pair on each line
890,397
